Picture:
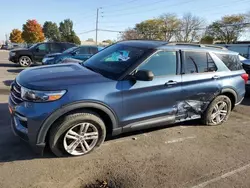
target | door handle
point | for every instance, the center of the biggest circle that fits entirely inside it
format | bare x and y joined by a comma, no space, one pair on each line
216,77
170,83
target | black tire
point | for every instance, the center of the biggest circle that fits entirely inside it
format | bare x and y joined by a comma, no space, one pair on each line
207,116
59,130
25,61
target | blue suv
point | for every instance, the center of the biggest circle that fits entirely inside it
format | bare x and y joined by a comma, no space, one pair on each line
128,86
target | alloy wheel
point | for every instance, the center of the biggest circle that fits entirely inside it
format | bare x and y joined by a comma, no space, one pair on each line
219,112
25,61
80,139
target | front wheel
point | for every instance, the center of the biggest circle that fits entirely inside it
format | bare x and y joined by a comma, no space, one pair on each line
77,134
25,61
218,111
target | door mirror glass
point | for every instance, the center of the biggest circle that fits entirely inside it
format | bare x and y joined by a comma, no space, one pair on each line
73,53
144,75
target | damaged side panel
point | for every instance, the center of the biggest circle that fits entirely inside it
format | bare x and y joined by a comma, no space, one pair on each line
193,108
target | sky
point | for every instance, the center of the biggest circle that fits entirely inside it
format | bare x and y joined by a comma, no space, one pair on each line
116,15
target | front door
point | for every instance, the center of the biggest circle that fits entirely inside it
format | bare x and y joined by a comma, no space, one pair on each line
152,103
40,51
200,83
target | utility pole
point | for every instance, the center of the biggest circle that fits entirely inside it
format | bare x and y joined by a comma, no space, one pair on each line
96,28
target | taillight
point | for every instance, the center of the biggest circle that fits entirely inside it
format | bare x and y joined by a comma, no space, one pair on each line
245,77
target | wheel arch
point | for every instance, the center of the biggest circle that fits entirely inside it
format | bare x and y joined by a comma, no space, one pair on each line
103,110
28,55
231,94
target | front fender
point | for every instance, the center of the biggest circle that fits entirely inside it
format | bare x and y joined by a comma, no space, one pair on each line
70,107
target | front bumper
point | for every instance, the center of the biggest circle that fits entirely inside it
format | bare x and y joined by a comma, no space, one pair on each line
13,59
27,119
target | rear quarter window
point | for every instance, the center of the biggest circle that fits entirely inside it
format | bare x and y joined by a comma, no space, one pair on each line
231,61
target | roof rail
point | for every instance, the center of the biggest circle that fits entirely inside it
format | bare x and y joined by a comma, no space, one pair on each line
199,45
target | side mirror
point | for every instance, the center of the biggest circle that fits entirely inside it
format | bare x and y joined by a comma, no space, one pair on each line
144,75
73,53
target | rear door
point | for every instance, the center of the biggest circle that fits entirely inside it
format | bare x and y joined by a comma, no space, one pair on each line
40,51
147,103
200,81
82,53
55,48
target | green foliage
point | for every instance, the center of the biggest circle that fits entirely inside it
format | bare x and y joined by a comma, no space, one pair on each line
51,31
228,29
207,40
67,32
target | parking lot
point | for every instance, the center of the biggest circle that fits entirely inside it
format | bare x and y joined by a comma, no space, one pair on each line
184,155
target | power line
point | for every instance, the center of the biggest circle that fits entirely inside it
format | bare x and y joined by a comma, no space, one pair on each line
131,1
84,32
150,4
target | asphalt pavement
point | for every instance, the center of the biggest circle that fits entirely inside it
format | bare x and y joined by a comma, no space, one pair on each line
184,155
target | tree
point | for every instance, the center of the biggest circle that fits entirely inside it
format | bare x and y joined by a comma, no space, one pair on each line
90,40
228,29
32,32
51,31
16,36
108,41
189,29
170,24
129,34
207,40
67,32
150,29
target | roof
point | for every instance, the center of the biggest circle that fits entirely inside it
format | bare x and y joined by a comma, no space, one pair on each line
144,43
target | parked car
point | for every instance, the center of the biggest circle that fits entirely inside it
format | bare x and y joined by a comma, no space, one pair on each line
246,65
4,47
79,52
128,86
34,55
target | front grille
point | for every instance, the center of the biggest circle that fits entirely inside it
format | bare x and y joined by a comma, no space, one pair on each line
15,93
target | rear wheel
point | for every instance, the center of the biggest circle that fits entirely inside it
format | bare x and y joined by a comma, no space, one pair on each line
78,134
218,111
25,61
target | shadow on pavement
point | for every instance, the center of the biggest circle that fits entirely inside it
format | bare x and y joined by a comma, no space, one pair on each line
246,101
15,70
8,65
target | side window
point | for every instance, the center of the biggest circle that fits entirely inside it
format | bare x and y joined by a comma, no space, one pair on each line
55,48
83,50
199,62
161,64
43,47
93,50
231,61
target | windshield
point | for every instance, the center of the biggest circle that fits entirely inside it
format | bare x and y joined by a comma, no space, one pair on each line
32,46
70,50
114,60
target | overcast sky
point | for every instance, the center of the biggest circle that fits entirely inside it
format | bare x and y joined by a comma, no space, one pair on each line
115,15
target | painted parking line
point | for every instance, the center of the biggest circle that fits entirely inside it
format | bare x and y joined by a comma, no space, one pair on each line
180,139
228,174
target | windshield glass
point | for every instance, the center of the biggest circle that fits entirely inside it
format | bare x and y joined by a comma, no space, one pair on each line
70,49
34,45
114,60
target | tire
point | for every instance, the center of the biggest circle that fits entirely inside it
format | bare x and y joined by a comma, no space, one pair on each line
25,61
211,117
62,135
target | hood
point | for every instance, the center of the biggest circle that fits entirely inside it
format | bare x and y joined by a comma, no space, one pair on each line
58,77
19,49
53,55
246,62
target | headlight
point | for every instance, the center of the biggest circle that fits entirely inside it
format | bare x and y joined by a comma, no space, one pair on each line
12,53
41,96
47,59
